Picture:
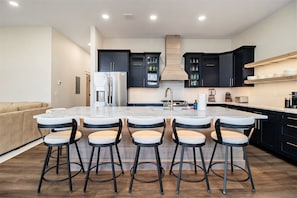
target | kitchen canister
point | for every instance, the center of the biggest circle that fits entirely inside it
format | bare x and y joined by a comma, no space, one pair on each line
202,101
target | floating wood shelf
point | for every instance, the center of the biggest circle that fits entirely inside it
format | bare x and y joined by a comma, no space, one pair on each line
276,59
274,79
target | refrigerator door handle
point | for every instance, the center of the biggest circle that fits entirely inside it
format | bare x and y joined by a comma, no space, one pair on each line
110,88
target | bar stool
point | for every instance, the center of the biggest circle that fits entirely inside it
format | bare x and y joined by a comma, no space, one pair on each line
108,134
59,139
59,149
185,133
226,133
146,132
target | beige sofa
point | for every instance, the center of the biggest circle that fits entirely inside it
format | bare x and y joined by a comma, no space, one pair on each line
17,126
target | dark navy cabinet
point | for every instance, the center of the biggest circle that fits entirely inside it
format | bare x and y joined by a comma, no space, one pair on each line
288,137
242,56
231,69
210,70
144,70
113,60
219,69
192,68
276,134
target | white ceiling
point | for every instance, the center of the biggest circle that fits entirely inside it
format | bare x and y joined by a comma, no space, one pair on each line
225,18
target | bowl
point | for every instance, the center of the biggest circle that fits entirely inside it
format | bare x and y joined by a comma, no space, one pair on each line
252,77
279,74
289,72
269,75
261,76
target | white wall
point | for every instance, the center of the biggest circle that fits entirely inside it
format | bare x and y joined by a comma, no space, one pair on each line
33,59
25,64
68,61
275,35
96,42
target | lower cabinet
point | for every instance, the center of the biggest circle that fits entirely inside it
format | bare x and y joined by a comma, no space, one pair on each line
288,137
270,131
277,134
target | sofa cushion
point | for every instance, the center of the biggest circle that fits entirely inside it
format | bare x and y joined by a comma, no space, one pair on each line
28,105
7,107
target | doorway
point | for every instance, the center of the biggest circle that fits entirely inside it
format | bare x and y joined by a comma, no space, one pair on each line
88,80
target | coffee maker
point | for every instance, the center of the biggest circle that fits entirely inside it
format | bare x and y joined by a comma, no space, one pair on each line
294,99
211,96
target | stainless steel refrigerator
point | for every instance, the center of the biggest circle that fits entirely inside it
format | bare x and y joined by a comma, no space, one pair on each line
111,88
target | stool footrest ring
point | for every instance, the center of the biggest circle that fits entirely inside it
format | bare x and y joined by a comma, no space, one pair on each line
105,180
229,179
147,181
63,179
188,180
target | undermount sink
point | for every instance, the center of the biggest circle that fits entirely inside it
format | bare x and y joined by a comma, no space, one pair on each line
176,103
175,108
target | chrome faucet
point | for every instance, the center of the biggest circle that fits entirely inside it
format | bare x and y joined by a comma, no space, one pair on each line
171,97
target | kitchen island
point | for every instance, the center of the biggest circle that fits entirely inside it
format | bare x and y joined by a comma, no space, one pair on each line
127,149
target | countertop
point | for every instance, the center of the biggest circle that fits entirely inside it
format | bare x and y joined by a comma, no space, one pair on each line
264,107
156,111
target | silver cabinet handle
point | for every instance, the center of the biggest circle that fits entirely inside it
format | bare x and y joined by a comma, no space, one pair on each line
292,118
292,126
291,144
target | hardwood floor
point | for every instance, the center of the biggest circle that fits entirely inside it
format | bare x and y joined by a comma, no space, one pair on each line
273,177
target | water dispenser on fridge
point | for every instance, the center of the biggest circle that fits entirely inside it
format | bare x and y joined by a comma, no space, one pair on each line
111,88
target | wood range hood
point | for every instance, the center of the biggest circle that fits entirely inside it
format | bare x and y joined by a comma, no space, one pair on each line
173,70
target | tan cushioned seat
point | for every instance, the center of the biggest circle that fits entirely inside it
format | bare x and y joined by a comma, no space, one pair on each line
60,137
103,137
231,137
147,136
190,137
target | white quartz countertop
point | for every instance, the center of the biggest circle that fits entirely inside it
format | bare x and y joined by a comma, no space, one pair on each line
264,107
131,111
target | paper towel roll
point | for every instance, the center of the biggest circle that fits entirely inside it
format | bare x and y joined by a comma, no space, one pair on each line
202,101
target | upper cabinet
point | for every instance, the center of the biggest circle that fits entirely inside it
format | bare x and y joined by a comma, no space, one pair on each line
210,70
202,69
144,70
137,70
226,69
113,60
242,56
219,69
193,67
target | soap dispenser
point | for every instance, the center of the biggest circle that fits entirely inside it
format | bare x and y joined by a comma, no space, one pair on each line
195,105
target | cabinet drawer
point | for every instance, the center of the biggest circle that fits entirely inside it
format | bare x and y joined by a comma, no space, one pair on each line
290,127
289,148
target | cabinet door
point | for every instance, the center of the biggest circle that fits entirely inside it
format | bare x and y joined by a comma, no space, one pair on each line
137,70
271,130
210,70
152,69
113,60
289,137
226,70
192,68
243,56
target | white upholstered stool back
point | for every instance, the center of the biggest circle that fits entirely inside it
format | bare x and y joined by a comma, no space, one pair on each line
227,134
108,133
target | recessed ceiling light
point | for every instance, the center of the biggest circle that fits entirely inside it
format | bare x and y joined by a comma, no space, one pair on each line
14,3
202,18
153,17
105,16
